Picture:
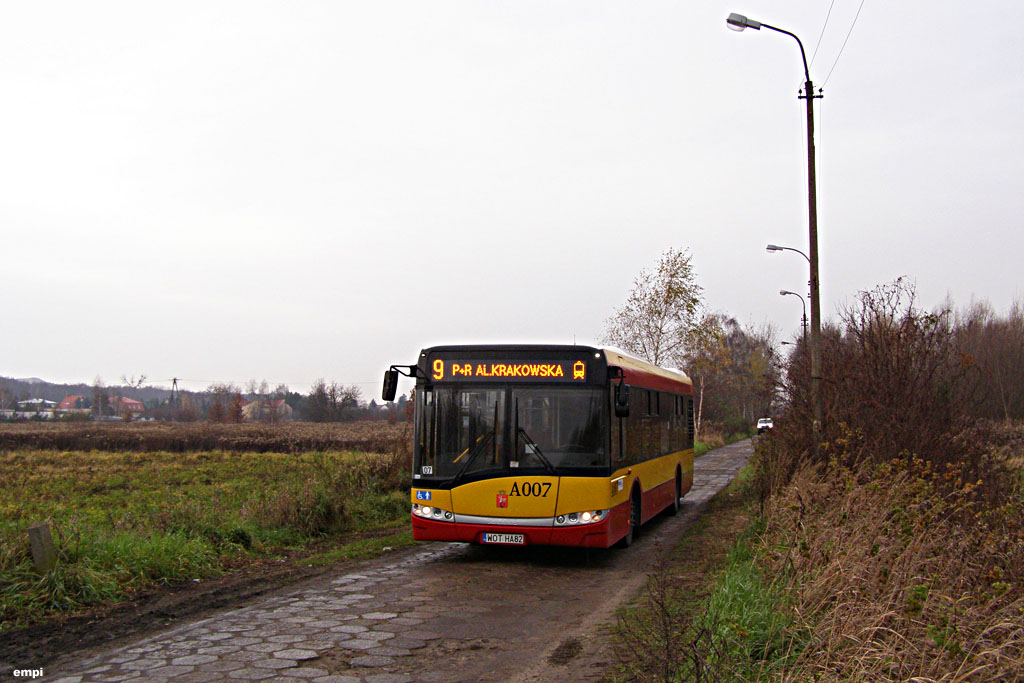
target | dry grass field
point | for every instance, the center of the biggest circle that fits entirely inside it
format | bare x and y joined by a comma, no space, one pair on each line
134,506
179,437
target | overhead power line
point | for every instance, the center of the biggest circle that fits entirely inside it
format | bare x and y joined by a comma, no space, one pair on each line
822,31
857,16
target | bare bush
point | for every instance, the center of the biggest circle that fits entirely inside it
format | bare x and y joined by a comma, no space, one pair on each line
894,382
665,641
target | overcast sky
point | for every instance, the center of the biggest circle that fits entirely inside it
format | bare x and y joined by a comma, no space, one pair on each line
221,191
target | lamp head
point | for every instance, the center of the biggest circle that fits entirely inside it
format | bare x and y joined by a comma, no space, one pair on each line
773,247
784,292
738,22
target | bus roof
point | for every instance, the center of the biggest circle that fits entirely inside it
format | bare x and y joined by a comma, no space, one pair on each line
643,373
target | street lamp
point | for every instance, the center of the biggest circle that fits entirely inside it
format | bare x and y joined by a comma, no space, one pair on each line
775,247
738,22
803,320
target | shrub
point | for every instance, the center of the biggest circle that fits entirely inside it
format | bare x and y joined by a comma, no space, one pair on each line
903,531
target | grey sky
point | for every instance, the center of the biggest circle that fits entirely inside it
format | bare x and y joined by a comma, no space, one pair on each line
234,190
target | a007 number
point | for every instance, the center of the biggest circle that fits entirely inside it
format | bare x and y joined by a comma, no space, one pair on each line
535,489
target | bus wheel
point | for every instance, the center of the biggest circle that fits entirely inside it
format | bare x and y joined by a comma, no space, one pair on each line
634,515
634,521
674,507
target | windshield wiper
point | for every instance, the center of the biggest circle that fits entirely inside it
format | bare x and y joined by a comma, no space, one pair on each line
471,454
536,450
530,442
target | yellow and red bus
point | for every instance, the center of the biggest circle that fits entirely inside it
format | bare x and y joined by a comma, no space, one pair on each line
544,444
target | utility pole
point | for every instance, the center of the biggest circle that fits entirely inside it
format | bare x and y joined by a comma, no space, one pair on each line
738,22
175,398
817,400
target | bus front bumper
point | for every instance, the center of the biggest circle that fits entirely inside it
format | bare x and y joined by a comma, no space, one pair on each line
595,535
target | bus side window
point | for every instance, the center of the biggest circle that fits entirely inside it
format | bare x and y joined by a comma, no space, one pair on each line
616,435
690,431
664,422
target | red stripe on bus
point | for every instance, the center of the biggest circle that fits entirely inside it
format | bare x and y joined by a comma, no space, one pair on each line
649,380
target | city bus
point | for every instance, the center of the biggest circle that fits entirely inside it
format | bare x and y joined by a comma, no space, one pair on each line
544,444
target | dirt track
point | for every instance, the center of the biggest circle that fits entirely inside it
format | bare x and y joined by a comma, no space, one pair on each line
436,612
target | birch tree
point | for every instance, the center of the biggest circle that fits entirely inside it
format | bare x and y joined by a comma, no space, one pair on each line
664,306
705,360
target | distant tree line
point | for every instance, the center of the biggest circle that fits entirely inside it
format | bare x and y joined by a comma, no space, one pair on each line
221,402
993,347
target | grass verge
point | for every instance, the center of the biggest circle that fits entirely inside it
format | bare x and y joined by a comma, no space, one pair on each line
708,611
127,521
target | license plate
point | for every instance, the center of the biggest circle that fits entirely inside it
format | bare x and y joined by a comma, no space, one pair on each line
508,539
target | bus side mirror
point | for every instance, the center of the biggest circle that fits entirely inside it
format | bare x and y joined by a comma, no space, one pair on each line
390,385
621,400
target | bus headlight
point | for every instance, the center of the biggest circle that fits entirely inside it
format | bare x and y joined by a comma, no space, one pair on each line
432,512
577,518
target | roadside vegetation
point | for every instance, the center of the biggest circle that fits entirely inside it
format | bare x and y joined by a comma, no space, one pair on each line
700,594
894,549
715,436
123,521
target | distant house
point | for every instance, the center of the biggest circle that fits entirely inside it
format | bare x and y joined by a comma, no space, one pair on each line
72,404
127,407
36,407
266,410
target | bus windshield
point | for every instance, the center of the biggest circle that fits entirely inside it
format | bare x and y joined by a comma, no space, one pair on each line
562,426
496,430
462,428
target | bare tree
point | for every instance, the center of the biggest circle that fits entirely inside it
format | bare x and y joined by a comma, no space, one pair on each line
100,397
6,396
332,402
735,365
993,347
225,403
663,308
705,360
132,383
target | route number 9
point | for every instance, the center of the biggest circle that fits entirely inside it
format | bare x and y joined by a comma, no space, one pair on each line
438,369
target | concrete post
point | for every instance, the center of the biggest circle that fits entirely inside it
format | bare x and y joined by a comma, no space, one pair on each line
44,553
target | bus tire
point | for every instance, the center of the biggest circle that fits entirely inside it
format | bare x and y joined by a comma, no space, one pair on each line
634,521
635,511
674,507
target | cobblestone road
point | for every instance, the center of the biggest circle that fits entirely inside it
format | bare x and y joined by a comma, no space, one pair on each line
437,612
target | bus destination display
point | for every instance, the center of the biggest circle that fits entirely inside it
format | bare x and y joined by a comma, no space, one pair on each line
448,370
